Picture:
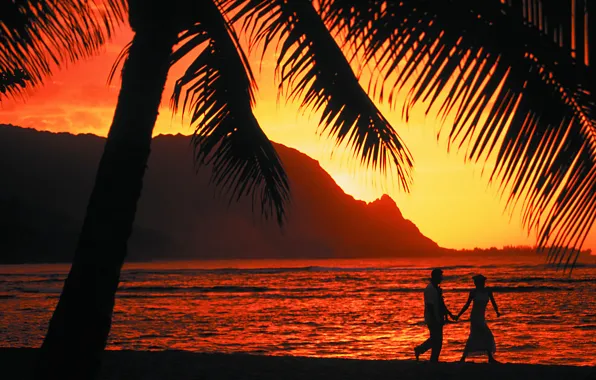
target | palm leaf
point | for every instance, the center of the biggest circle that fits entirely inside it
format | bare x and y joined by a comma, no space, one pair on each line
312,67
37,34
11,80
218,87
506,73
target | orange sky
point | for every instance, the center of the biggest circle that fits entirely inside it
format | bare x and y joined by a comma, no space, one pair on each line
450,201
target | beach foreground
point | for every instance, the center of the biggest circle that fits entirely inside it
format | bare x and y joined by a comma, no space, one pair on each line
182,365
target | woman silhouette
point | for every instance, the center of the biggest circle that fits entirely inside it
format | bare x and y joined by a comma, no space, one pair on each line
481,339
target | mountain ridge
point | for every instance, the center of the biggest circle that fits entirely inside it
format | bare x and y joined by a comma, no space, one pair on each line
178,217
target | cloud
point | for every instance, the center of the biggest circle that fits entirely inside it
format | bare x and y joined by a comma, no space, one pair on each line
53,123
94,95
85,120
62,119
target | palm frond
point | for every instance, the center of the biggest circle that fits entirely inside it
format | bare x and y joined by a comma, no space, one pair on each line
505,71
36,34
120,59
219,93
9,80
312,67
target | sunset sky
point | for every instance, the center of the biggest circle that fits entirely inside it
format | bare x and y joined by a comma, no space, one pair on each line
450,201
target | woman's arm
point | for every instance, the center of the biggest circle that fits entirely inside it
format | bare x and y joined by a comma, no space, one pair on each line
467,305
492,300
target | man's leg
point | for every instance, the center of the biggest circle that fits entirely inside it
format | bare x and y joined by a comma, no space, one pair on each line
436,337
427,345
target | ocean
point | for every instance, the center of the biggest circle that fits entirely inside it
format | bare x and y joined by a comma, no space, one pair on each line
369,309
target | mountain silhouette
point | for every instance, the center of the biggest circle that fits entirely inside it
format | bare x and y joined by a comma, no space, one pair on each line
47,178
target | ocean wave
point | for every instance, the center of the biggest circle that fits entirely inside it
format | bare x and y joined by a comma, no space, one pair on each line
145,295
552,266
23,281
314,268
43,280
300,296
524,289
281,270
197,289
33,274
522,347
321,292
547,279
394,290
582,265
218,271
499,289
316,292
348,277
585,327
27,290
213,289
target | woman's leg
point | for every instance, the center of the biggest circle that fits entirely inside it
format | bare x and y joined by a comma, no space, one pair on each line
464,355
491,358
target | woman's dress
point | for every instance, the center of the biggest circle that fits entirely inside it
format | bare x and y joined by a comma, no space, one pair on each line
481,339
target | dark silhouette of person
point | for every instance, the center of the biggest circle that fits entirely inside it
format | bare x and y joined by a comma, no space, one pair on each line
435,316
481,339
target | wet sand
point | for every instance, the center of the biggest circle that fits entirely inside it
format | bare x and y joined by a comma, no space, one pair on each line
182,365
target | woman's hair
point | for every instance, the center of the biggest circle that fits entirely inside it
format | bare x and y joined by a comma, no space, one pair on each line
479,279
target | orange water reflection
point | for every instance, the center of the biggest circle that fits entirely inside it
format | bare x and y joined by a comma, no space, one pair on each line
355,309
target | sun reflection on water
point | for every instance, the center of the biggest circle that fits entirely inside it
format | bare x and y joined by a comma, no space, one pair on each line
353,309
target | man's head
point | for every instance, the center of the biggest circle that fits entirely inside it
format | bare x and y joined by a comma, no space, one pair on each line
436,276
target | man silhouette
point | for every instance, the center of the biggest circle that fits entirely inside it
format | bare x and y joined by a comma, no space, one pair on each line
435,315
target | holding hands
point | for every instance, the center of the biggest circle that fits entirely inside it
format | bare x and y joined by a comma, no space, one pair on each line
455,318
450,315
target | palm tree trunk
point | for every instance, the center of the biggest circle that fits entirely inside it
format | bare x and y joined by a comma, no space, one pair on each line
80,325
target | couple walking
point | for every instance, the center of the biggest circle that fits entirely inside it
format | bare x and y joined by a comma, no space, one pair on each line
481,338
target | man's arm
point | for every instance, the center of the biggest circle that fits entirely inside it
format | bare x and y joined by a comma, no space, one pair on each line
446,311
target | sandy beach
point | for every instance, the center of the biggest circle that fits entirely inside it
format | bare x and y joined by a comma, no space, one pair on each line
182,365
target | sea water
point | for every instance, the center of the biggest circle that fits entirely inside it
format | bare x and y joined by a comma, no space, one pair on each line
370,309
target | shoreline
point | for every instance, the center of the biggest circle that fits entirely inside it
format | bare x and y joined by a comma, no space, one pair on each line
529,259
186,365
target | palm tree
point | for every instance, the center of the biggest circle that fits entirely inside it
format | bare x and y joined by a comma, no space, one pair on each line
546,149
218,89
515,75
520,85
37,34
16,79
